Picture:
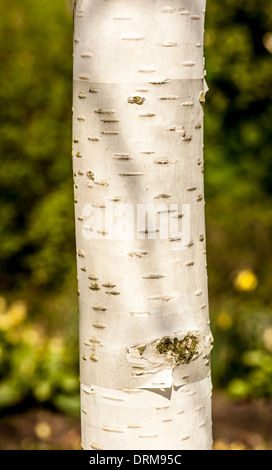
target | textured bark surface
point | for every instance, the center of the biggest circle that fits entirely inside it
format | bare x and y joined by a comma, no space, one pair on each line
145,339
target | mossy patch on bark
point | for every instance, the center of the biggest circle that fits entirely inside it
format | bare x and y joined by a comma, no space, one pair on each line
181,350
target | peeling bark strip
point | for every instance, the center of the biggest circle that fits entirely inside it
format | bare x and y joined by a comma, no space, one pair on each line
145,338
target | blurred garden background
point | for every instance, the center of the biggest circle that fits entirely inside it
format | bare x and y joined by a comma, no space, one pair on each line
38,288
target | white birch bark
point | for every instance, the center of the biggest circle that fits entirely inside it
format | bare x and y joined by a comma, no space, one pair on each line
145,338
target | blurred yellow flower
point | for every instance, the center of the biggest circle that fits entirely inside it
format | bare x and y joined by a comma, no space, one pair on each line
33,336
246,280
15,315
237,446
221,444
56,344
4,322
224,321
43,430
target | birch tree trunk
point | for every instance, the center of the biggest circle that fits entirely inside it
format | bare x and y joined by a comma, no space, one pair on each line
145,339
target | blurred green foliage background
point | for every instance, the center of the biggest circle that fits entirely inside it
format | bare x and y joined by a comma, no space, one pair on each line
38,304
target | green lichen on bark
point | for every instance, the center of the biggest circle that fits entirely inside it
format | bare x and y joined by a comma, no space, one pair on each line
141,349
181,350
90,175
136,100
